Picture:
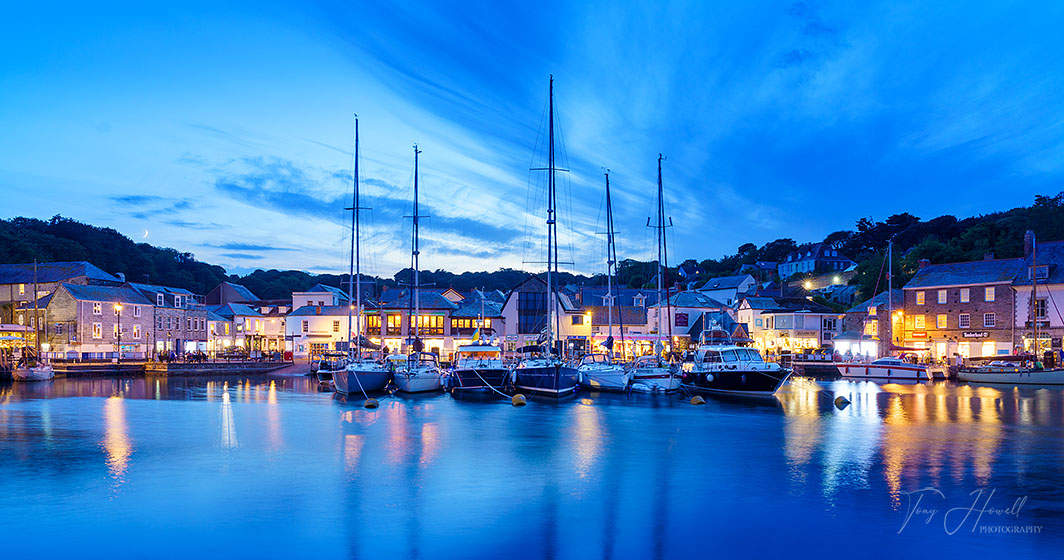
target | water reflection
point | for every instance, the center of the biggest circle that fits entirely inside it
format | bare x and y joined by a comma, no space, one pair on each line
116,442
228,423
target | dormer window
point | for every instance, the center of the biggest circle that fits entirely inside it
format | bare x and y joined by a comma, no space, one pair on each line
1041,272
159,300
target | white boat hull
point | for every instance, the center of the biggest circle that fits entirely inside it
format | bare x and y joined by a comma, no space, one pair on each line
417,382
603,378
40,373
874,371
658,379
1014,377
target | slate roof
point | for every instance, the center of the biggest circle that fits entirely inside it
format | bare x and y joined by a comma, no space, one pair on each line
212,316
692,299
995,271
231,310
241,290
898,295
621,296
427,299
53,272
116,294
1050,254
799,304
330,289
471,308
629,315
762,303
726,282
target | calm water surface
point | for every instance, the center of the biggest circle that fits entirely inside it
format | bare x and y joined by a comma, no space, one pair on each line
268,467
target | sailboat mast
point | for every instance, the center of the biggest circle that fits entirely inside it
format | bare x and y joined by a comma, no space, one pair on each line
354,246
665,255
890,295
552,300
1034,294
609,256
415,252
36,318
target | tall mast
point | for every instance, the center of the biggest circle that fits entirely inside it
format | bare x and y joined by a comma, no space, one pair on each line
665,255
353,286
414,253
37,320
609,257
552,253
890,295
1034,294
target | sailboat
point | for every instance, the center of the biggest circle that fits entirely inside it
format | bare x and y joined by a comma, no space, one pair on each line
362,374
544,372
887,367
479,366
34,368
652,372
420,371
600,371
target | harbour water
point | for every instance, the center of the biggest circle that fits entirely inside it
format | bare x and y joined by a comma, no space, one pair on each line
268,467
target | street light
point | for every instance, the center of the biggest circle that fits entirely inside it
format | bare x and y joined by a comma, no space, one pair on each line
118,312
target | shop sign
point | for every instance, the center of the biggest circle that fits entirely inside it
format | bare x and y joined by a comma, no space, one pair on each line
976,334
919,335
806,334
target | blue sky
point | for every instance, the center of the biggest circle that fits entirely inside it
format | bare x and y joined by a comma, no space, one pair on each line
227,130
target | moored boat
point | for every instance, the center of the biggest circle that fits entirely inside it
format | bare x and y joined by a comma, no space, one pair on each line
1002,372
655,375
40,372
33,368
419,372
545,375
736,370
883,368
478,368
597,372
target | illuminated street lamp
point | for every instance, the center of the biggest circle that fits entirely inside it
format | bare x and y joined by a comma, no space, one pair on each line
118,312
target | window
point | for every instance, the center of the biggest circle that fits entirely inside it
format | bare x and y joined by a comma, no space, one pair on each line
942,296
990,293
918,321
136,331
97,308
966,295
989,349
578,319
136,311
169,323
1040,308
336,326
159,323
177,301
940,321
188,323
21,289
872,310
989,319
97,330
829,323
59,328
758,322
21,319
160,300
321,303
1041,273
373,323
964,320
306,326
871,327
964,349
432,324
395,324
227,328
919,298
115,331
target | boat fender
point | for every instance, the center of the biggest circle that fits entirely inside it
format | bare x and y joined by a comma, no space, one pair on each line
519,400
841,402
371,403
709,378
697,400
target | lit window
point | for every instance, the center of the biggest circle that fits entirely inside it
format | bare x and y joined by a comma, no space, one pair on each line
21,319
964,320
97,308
21,289
97,330
940,321
919,298
966,295
1040,308
136,331
964,349
336,326
918,321
116,331
990,293
872,309
989,319
942,296
989,348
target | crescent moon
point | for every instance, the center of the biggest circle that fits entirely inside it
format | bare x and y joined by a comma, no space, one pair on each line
145,233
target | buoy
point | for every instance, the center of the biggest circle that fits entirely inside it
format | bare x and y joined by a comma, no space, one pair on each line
371,403
841,402
697,400
519,400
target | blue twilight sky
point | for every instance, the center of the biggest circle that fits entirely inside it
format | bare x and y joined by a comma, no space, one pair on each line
226,129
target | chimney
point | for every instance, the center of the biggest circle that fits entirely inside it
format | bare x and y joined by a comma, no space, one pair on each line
988,256
924,263
1028,243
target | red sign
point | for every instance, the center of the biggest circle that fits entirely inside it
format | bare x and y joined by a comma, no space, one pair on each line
919,335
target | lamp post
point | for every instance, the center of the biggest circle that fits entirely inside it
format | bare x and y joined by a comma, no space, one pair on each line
118,312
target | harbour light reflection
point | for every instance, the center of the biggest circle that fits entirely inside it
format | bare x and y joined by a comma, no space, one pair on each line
116,442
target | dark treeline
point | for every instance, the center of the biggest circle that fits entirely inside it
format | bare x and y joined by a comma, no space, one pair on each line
940,240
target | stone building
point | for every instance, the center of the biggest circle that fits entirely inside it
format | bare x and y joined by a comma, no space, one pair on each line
16,282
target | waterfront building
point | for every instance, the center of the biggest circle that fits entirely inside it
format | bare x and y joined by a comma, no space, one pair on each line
728,289
814,257
965,308
180,318
788,324
16,282
680,313
395,327
82,322
524,315
248,327
314,329
322,296
219,334
1046,266
863,323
